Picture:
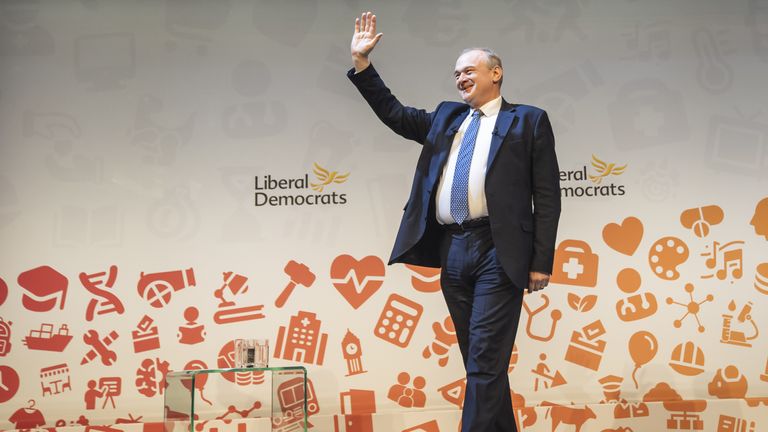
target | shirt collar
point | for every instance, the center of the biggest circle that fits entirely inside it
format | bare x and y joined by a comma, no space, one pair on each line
491,108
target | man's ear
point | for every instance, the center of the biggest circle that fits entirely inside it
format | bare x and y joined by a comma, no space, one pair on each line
497,74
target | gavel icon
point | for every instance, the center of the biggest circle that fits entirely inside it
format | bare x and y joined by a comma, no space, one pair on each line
300,275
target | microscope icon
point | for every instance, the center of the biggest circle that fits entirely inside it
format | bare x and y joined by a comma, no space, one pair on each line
744,319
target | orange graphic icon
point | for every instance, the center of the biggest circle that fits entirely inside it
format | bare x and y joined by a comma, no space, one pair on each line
761,278
355,280
744,319
726,423
302,340
730,257
643,347
9,384
424,279
96,285
453,392
581,304
353,353
430,426
44,288
398,320
543,375
227,311
624,409
701,219
624,238
146,337
107,388
683,413
665,255
408,396
569,415
3,291
524,416
99,347
586,348
300,275
692,307
575,264
158,288
290,396
445,337
760,218
728,383
199,381
151,377
556,315
55,379
636,306
5,337
687,359
764,376
191,332
42,339
357,409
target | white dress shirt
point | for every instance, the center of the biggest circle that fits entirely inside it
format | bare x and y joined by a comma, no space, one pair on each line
476,200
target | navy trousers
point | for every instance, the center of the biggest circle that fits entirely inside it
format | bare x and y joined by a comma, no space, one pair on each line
485,308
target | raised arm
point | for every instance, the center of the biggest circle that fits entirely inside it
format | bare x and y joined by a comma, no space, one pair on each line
364,40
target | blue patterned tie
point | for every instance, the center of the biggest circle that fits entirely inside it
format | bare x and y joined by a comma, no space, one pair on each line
460,188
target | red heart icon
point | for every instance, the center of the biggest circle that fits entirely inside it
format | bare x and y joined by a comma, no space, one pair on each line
357,280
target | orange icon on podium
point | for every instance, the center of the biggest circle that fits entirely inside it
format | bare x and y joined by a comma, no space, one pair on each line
575,264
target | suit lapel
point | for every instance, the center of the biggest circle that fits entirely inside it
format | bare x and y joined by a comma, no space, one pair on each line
503,121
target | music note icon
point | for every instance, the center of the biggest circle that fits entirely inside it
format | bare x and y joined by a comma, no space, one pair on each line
730,258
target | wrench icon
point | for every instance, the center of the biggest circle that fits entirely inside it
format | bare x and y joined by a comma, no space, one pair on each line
99,347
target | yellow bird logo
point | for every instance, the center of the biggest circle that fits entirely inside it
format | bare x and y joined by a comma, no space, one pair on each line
326,177
604,169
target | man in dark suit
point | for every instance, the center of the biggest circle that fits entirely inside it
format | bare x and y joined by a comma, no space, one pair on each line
484,206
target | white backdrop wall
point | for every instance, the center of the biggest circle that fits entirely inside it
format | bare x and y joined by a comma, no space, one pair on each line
142,135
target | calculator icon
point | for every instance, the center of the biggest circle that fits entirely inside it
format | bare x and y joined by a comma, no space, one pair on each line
398,320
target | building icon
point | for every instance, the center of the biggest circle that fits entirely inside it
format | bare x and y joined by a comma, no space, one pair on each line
302,341
352,353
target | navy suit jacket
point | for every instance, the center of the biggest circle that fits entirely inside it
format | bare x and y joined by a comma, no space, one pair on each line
522,180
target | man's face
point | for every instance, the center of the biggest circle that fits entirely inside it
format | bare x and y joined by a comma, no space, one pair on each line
477,83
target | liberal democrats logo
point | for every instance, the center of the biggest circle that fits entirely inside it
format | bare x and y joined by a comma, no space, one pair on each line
277,191
600,183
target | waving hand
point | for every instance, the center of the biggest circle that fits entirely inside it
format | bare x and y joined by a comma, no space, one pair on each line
364,40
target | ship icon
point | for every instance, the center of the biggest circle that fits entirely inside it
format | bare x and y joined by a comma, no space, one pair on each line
45,339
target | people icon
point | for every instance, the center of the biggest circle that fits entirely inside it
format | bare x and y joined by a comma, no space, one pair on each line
406,396
92,394
760,218
191,333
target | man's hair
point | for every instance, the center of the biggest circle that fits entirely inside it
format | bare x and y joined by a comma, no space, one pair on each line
491,59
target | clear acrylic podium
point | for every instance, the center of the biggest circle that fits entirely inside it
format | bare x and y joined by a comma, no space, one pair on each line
194,398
